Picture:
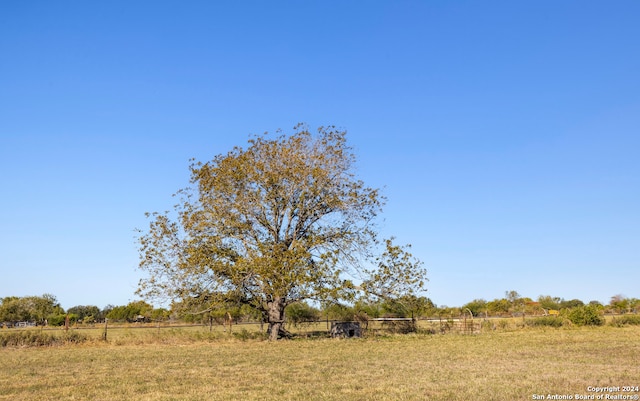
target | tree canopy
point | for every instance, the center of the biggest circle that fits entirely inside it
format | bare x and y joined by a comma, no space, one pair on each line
280,221
35,309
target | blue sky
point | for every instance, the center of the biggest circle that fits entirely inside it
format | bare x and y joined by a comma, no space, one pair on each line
505,134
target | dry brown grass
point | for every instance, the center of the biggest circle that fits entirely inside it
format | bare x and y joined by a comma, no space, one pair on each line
509,365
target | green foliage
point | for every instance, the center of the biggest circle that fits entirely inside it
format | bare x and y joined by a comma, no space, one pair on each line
408,306
512,296
548,302
38,338
73,318
477,307
220,311
596,303
573,303
86,311
339,312
499,306
14,309
626,320
300,312
130,312
273,224
556,303
367,309
449,312
396,274
30,309
159,314
621,304
551,321
588,315
393,308
118,313
56,319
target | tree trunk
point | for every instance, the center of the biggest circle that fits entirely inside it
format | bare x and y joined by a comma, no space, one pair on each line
275,316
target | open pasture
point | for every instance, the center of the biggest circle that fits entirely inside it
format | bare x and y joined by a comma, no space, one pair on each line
178,365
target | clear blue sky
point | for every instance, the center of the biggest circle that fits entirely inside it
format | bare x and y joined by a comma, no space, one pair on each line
506,134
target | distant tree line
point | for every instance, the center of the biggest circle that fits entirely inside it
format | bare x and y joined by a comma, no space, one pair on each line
46,310
512,304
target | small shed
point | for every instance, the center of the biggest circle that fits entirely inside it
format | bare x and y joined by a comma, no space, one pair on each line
345,329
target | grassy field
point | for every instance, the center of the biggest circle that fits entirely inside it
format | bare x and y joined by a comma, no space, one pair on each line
191,364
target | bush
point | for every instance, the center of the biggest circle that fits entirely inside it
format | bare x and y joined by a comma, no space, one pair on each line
550,321
38,338
339,312
626,320
588,315
300,312
400,326
56,319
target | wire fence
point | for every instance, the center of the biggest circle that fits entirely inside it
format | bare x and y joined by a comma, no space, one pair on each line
321,328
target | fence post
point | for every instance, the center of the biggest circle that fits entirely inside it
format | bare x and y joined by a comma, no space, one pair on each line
104,334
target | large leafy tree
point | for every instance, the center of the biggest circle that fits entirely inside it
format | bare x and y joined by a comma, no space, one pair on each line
31,308
280,221
88,312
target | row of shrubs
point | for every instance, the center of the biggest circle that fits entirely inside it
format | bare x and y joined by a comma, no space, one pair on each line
38,338
583,316
626,320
